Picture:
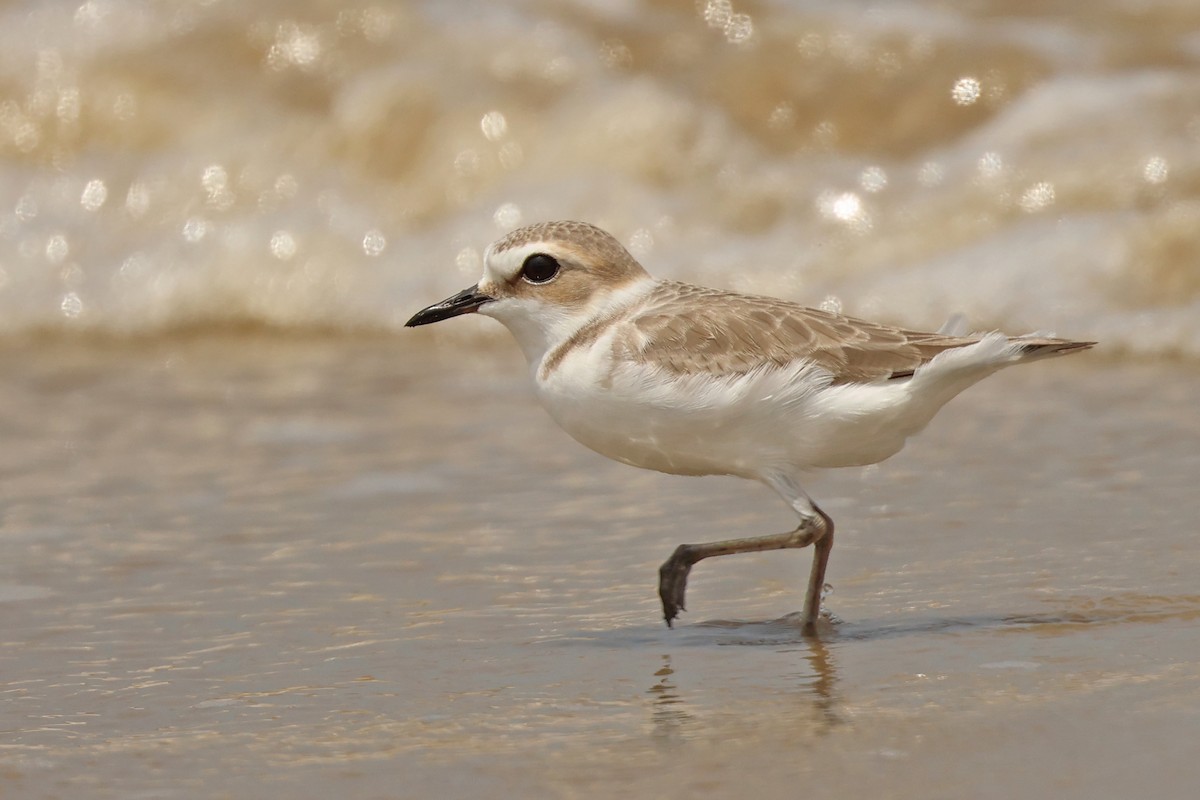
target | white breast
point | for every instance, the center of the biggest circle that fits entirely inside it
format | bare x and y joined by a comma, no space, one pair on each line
684,425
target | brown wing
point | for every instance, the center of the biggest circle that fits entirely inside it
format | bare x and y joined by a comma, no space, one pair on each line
695,329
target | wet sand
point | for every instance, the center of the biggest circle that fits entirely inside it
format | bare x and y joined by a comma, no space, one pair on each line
255,565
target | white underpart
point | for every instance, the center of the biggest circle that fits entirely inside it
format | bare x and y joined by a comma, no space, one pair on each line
762,425
867,422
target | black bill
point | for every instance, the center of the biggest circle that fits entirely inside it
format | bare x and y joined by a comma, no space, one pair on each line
465,302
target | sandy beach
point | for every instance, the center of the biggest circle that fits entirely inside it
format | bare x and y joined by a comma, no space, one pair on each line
265,565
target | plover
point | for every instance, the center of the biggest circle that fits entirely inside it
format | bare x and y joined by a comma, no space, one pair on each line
695,381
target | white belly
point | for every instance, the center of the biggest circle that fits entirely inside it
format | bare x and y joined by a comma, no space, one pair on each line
748,426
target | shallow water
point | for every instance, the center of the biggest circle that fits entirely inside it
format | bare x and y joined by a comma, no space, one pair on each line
248,565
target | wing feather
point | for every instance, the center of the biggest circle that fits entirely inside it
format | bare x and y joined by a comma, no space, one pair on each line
684,328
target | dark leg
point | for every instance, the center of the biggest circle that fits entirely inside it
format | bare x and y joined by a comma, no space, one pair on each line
816,578
673,575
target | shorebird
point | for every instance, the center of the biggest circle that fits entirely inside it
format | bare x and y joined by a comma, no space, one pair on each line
689,380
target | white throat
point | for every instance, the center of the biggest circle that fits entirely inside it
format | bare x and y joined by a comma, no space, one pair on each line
540,327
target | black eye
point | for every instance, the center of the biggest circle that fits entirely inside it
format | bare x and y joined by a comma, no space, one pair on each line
539,268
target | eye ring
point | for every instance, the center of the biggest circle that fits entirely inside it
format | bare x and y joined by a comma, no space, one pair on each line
540,268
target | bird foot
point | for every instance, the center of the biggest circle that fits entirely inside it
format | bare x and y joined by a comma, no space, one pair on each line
672,582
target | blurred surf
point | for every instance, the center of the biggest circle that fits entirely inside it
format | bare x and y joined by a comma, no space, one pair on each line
319,166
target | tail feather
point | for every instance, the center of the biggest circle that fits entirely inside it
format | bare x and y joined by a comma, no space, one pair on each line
1034,347
954,369
991,352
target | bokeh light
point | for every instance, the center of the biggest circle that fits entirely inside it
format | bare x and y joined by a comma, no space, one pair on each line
966,91
352,143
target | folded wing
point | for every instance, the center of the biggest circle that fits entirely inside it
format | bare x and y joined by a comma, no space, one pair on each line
688,329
